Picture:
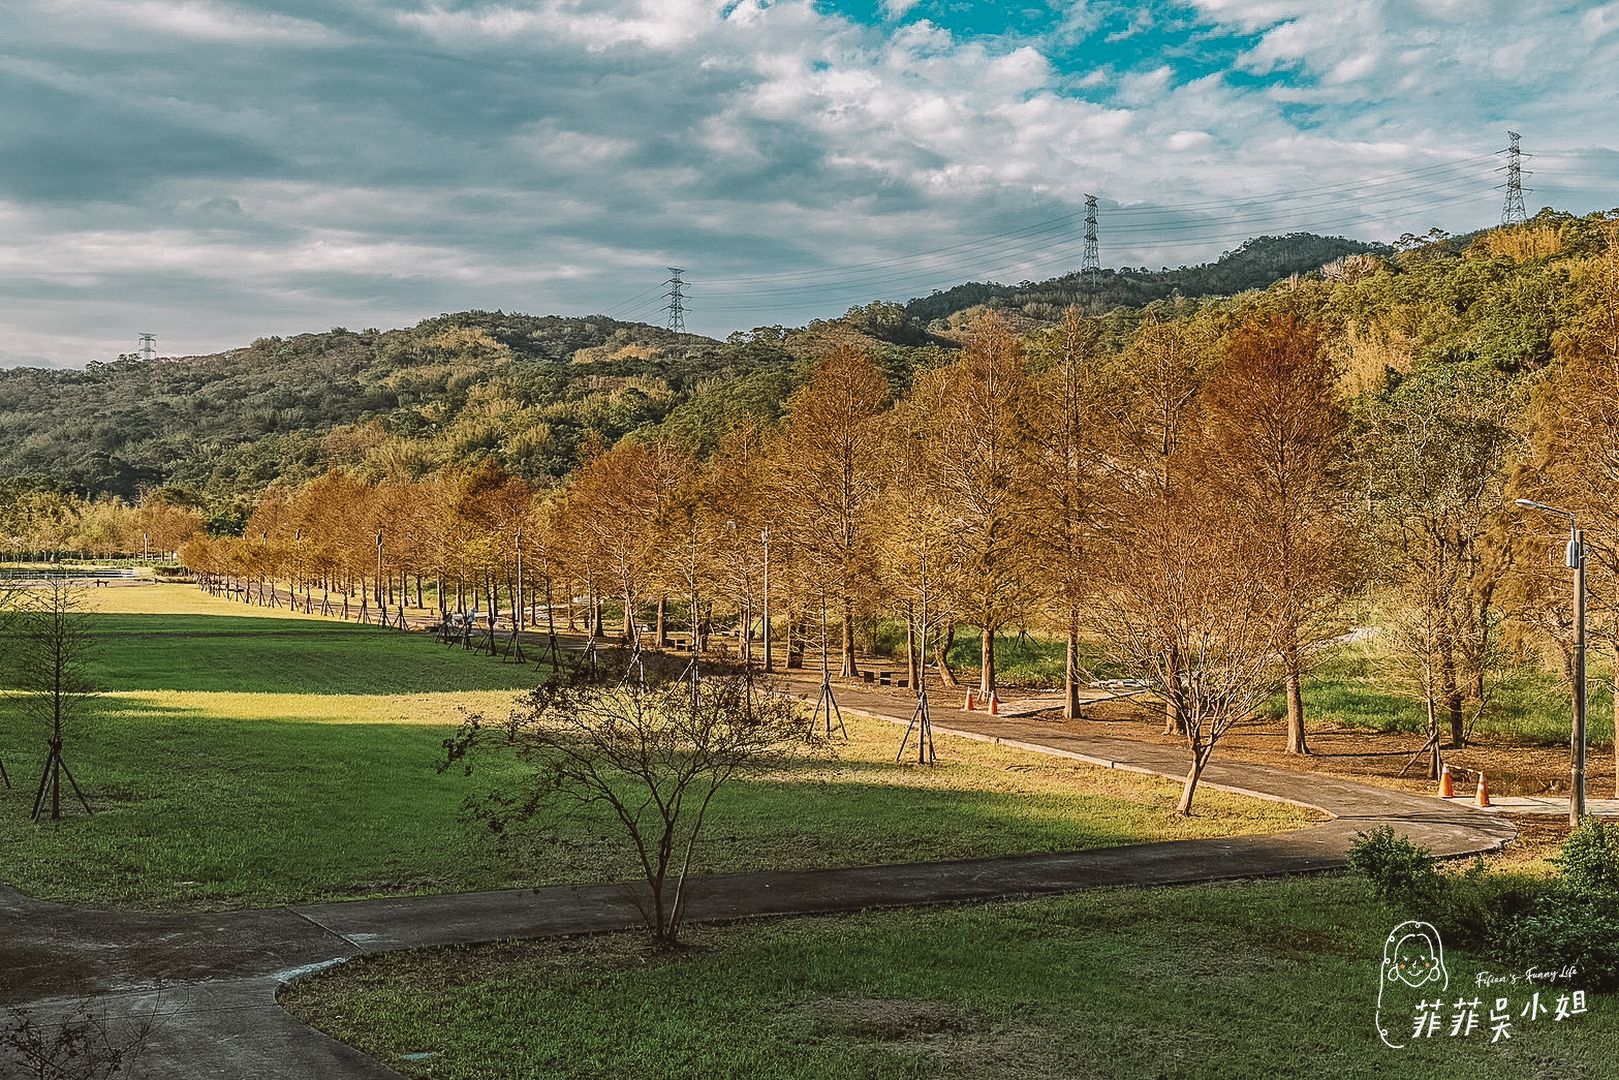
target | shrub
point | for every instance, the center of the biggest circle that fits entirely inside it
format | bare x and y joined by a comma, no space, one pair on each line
1589,861
1401,872
1574,921
1570,920
1563,931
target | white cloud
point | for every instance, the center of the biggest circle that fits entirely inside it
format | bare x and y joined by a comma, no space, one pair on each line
393,161
204,21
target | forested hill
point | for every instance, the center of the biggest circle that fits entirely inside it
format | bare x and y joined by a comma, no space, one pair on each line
528,390
1256,264
527,387
533,393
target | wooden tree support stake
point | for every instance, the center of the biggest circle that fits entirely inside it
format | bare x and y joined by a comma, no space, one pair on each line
51,784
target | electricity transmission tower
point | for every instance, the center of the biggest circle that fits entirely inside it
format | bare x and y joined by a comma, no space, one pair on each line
677,300
1090,268
148,346
1512,211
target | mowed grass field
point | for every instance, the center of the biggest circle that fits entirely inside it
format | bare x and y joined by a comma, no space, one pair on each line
1240,980
242,756
1527,705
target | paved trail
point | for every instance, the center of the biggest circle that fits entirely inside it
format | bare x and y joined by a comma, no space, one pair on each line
222,971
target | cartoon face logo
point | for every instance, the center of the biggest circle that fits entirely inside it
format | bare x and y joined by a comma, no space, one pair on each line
1416,960
1413,956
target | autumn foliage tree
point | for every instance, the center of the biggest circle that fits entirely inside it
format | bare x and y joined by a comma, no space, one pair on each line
973,414
1153,458
829,467
1572,461
1275,434
1070,403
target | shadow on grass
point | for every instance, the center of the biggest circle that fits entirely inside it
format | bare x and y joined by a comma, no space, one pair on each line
254,654
200,811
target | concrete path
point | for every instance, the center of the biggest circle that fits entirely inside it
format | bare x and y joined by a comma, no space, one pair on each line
222,971
1550,805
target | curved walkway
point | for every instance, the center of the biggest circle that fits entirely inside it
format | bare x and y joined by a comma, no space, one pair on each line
222,971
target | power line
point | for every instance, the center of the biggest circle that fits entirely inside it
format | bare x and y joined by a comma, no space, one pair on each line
1159,237
1039,257
148,346
1052,242
1512,211
1327,194
677,300
1090,268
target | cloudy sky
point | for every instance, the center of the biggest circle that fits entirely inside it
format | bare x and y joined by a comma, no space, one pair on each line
217,170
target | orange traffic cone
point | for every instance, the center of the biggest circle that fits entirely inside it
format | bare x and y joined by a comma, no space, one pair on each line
971,701
994,703
1483,799
1447,790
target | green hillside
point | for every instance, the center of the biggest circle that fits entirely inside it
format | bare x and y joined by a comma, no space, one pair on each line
530,388
533,391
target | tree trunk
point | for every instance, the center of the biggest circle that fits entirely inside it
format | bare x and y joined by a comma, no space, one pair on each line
1453,703
1435,761
986,661
1296,742
850,667
1174,721
629,619
662,626
941,655
910,647
1189,788
1070,672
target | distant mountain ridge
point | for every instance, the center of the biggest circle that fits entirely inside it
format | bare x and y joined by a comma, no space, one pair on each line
1256,264
529,389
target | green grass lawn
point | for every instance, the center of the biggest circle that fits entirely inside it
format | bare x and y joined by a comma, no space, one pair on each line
1252,979
244,756
1529,705
1032,661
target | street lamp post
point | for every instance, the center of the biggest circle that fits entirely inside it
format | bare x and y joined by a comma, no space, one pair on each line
764,536
1575,560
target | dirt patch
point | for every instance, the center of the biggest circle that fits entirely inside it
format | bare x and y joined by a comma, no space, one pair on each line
954,1040
1343,750
1358,753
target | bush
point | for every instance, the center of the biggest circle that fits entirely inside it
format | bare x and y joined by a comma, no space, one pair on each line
1402,873
1574,921
1563,931
1589,861
1569,920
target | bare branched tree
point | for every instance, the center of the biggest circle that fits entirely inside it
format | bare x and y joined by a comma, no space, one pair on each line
654,754
1186,603
52,647
82,1045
